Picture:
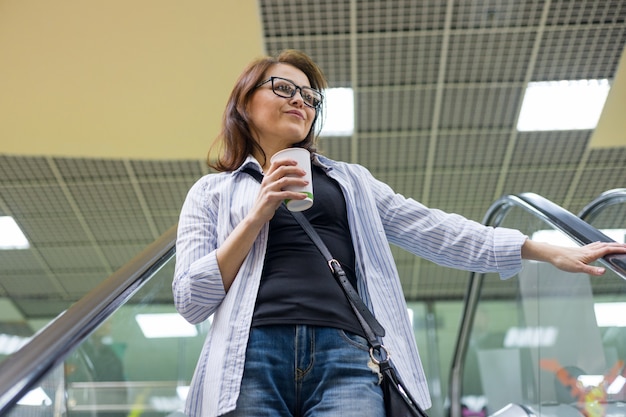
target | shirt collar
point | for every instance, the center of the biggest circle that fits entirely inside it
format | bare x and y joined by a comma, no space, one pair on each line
322,162
318,160
250,161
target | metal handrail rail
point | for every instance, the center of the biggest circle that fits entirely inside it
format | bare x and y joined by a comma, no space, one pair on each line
600,203
552,214
51,345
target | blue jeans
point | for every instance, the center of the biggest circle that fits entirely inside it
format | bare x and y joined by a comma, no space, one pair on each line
307,371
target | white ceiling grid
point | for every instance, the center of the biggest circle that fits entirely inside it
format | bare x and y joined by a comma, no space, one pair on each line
438,87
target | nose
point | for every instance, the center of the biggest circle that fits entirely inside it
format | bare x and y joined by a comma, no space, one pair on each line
297,98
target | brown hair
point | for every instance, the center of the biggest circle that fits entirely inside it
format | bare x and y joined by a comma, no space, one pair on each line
235,140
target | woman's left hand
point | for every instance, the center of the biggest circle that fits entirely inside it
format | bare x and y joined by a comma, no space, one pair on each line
576,259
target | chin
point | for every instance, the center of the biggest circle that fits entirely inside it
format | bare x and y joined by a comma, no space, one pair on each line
298,134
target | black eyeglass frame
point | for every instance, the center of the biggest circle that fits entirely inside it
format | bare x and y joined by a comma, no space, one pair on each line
296,88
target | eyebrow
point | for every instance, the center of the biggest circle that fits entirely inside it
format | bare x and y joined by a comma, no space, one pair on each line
296,84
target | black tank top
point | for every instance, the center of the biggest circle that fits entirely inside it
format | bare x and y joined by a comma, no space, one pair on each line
297,286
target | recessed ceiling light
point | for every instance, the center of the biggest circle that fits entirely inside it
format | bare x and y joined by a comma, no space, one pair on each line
11,343
610,314
11,236
165,325
36,397
558,238
563,105
339,115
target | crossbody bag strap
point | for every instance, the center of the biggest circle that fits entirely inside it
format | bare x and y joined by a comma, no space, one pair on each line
372,328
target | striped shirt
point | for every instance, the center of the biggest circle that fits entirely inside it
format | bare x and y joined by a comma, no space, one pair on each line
377,216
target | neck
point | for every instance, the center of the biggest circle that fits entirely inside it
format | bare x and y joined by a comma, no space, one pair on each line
269,152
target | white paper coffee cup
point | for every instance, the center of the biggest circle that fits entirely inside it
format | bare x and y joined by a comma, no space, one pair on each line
303,158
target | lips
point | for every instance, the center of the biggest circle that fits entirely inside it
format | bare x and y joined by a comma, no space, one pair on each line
296,113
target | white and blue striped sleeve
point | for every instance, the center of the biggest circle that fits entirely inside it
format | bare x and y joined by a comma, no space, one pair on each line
198,288
445,238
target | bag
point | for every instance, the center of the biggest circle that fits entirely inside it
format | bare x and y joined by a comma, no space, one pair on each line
398,401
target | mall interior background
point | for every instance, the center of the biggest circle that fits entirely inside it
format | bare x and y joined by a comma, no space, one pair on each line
108,110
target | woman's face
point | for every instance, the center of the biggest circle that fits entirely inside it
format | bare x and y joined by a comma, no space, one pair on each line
279,122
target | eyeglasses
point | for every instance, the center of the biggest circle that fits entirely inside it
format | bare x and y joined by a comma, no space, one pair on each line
287,89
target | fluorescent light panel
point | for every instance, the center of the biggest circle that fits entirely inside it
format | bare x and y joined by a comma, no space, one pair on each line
339,112
616,386
182,391
591,381
11,236
10,343
563,105
558,238
554,237
165,325
610,314
531,336
36,398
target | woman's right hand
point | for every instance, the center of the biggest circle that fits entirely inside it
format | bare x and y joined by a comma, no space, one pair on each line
231,254
280,175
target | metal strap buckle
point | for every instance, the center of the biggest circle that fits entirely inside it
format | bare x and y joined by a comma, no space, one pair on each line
384,354
334,265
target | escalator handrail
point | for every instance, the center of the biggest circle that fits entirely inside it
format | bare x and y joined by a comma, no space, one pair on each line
49,347
554,215
572,225
607,198
577,228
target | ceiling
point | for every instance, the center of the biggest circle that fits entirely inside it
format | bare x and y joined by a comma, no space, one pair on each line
438,87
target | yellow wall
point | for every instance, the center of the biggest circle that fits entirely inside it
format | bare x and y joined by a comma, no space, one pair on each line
118,78
611,129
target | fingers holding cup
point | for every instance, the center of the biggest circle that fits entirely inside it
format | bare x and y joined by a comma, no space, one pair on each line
303,159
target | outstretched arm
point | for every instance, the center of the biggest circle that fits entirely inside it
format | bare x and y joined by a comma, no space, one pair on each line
572,259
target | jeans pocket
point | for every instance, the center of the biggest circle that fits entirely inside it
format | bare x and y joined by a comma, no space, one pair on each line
355,340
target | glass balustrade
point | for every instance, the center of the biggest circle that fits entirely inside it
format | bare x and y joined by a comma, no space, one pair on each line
556,345
139,362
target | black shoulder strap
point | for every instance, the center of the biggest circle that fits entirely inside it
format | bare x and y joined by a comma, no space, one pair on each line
255,174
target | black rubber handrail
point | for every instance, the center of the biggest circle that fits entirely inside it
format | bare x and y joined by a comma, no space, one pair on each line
578,229
554,215
598,205
572,225
51,345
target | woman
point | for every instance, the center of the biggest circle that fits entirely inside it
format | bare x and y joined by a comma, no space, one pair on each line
283,341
